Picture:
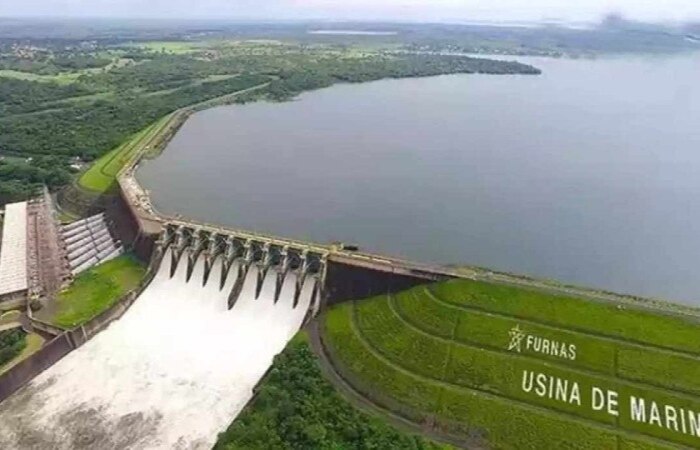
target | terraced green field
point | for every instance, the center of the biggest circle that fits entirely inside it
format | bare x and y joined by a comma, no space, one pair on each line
522,368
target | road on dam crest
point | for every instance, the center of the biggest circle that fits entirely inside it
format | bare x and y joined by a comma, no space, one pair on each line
171,373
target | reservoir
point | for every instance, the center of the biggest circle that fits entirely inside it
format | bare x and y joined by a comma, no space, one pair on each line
588,174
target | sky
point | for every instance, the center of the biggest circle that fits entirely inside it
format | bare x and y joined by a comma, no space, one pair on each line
404,10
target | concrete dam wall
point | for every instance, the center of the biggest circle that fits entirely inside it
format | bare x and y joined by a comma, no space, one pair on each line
182,362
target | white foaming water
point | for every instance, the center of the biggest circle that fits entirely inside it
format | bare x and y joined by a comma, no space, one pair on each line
171,373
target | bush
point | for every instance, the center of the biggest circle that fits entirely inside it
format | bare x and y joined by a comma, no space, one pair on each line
12,342
296,408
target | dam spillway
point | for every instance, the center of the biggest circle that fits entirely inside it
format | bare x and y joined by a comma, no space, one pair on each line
182,362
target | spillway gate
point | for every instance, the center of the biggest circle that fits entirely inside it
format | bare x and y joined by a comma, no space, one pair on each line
238,253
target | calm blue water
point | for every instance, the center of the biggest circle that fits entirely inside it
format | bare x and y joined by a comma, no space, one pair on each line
589,174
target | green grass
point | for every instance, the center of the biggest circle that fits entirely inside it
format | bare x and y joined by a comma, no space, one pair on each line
9,317
676,372
491,331
177,48
444,353
97,289
101,176
81,99
633,362
503,423
497,372
607,319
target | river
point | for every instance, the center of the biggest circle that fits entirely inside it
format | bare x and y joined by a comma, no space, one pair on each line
588,174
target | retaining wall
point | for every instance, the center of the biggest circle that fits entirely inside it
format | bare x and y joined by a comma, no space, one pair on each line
128,228
26,370
346,282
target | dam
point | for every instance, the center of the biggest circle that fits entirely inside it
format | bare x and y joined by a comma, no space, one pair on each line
183,361
218,304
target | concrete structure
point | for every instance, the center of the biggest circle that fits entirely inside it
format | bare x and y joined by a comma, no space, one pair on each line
179,364
89,242
345,274
46,260
238,294
241,254
13,253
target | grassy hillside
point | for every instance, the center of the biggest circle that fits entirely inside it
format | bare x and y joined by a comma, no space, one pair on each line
524,368
95,290
101,176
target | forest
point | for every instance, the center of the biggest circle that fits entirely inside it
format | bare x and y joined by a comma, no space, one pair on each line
21,179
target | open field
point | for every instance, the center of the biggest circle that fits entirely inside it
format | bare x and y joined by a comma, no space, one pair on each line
63,78
93,291
173,47
514,366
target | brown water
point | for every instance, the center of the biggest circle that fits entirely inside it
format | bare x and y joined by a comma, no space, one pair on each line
589,174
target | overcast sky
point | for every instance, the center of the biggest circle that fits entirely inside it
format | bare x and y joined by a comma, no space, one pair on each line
412,10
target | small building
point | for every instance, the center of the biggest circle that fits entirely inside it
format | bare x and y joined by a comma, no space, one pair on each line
13,253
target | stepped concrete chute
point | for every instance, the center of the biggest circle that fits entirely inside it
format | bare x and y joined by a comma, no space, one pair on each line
89,242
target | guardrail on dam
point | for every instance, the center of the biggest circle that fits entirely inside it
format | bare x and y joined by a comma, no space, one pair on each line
343,274
190,245
346,274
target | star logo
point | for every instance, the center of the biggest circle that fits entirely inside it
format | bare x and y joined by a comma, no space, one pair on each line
516,338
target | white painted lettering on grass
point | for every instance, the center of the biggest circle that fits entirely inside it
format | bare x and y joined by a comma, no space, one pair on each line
547,388
539,344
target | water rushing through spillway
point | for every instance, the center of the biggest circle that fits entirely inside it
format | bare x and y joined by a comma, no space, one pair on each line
171,373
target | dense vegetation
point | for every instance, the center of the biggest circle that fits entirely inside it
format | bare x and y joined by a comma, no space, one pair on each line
374,68
20,179
12,342
443,353
88,131
296,408
50,60
93,291
19,96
